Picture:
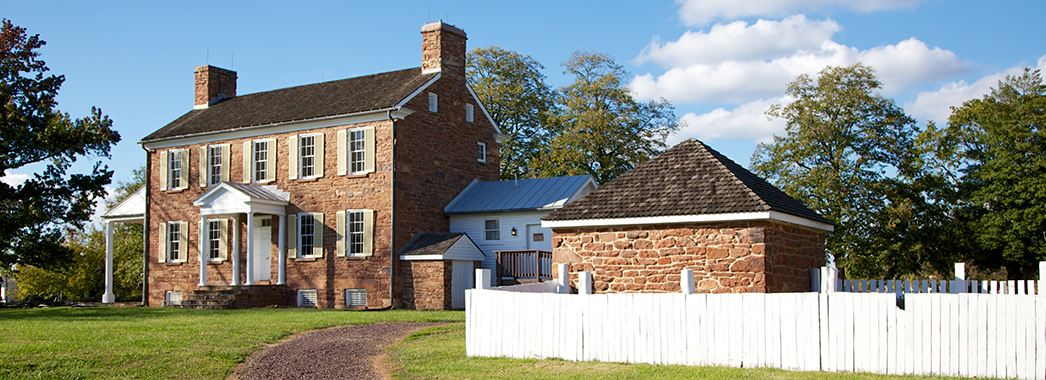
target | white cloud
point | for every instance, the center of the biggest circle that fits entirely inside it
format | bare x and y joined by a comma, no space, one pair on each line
747,121
936,105
14,179
701,12
904,64
765,39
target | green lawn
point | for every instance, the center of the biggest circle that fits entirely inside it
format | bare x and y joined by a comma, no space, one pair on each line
439,353
131,342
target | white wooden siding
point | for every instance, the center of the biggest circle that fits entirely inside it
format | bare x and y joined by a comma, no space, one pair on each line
472,224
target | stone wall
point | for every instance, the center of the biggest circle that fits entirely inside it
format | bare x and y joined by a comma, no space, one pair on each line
738,257
425,285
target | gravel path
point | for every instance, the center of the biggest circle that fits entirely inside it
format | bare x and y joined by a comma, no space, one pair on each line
348,352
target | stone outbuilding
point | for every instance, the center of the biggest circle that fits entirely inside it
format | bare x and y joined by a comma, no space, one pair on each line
690,208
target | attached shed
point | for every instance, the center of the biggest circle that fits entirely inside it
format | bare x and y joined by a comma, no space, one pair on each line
506,215
436,270
690,208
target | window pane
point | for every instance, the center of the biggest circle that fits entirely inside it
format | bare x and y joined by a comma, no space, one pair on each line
261,157
306,232
493,232
307,155
173,241
355,232
214,235
215,164
175,165
357,149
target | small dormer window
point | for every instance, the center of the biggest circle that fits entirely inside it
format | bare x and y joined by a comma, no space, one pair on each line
433,102
481,152
469,111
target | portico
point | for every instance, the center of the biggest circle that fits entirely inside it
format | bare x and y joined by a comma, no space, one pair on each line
130,210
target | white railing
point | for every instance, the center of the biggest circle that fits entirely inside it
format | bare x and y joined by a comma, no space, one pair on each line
983,335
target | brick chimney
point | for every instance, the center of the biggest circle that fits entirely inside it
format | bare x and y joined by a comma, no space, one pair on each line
213,84
443,49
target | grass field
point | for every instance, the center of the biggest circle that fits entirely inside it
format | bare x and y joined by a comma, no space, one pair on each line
163,343
439,353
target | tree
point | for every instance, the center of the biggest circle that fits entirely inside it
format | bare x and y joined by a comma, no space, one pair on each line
513,89
33,131
1002,137
600,129
853,156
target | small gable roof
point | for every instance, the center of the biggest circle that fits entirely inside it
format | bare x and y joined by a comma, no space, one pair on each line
520,195
131,209
688,179
238,198
314,101
443,246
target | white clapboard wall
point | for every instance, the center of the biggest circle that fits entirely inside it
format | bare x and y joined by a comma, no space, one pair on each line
969,334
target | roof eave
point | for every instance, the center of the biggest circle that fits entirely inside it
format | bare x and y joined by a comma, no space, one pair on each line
699,218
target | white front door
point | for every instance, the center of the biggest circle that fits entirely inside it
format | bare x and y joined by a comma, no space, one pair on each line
262,247
539,238
460,279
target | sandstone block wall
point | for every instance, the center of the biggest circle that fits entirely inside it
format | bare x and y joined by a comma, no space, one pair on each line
738,257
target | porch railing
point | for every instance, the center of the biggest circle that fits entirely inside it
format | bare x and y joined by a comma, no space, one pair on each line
533,265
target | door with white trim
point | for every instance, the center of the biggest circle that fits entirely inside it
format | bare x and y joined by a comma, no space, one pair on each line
262,247
539,238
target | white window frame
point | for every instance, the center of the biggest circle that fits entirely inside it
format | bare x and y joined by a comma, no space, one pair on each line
481,150
357,157
470,113
487,230
302,252
433,102
174,247
214,165
214,240
302,157
255,152
355,297
355,218
303,295
174,174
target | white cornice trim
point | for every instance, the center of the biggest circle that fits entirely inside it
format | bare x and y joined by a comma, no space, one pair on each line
704,218
277,128
420,257
419,90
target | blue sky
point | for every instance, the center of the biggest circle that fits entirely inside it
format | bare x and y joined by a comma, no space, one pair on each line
720,62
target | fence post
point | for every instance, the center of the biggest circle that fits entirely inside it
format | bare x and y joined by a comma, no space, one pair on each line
959,284
686,279
563,280
829,279
482,278
1042,278
584,282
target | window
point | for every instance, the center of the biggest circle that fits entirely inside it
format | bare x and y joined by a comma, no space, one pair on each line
307,157
214,239
174,241
355,233
491,229
481,150
214,165
307,298
306,235
261,160
469,111
357,151
172,298
433,102
354,220
174,165
355,297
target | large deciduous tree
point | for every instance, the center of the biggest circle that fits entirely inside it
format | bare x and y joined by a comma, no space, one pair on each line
32,130
1003,138
599,128
513,89
854,156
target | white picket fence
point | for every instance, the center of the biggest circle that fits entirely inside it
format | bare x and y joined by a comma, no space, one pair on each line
959,285
983,335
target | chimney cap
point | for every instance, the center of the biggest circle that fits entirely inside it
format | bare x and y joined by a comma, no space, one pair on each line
440,25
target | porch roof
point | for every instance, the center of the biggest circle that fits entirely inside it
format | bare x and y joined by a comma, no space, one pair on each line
237,198
131,209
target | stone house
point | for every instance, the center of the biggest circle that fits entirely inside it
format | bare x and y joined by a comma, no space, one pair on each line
690,208
304,195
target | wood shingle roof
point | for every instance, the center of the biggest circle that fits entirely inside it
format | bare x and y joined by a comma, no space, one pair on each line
688,179
313,101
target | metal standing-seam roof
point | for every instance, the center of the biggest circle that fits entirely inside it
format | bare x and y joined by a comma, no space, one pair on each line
520,195
690,178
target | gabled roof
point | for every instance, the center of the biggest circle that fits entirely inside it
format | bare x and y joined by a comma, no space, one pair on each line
238,198
689,179
444,246
520,195
131,208
308,102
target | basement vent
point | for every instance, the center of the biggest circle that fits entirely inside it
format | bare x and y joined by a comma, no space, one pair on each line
307,298
172,298
355,297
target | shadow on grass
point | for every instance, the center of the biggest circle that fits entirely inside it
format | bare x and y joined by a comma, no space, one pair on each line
93,313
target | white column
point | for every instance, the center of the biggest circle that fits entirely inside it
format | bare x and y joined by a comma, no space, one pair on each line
564,278
686,277
958,285
250,249
108,297
203,250
281,245
584,282
236,250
